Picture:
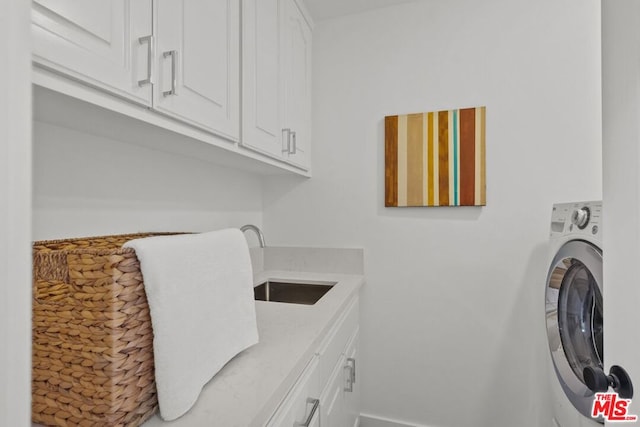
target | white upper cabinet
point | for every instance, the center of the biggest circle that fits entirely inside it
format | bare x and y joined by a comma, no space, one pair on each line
296,75
99,42
198,62
261,116
182,60
188,67
276,52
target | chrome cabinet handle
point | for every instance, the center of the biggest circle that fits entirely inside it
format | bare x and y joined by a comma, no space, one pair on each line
349,385
149,41
288,149
172,54
352,361
314,408
295,143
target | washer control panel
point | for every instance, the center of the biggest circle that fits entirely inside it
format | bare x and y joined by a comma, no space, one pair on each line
579,218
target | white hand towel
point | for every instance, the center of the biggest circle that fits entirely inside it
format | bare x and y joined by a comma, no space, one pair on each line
200,293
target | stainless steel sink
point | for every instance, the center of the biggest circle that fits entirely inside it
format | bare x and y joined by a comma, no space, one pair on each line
307,292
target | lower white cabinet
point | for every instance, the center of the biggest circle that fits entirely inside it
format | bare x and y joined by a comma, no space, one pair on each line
332,397
341,396
300,407
327,393
352,396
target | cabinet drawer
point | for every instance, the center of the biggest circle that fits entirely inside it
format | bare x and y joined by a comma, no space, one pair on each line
302,402
336,342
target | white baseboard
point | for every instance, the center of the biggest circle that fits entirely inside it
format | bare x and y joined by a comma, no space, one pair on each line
369,420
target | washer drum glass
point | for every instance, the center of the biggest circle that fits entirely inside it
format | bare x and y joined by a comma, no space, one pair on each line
574,317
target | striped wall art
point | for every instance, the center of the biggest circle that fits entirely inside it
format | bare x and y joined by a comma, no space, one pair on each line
436,159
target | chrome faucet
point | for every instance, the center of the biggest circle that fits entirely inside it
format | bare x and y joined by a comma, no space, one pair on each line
256,230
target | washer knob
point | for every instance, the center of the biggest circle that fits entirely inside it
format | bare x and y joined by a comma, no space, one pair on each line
599,382
580,217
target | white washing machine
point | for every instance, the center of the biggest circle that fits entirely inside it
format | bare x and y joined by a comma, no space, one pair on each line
574,309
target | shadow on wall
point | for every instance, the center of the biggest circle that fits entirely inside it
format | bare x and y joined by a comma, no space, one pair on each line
86,168
91,185
281,186
531,377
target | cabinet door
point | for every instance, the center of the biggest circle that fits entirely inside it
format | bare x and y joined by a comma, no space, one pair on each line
296,73
96,42
332,403
198,54
261,91
352,397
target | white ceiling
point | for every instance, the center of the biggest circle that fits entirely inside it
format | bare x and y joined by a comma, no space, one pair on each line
325,9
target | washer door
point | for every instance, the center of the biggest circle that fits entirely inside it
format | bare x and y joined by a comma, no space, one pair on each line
574,318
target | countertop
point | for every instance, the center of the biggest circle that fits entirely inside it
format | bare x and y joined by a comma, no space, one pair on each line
246,392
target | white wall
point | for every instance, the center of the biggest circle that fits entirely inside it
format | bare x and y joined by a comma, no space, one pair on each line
452,322
15,216
86,185
621,170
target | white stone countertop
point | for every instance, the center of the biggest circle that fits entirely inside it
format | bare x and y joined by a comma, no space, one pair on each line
246,392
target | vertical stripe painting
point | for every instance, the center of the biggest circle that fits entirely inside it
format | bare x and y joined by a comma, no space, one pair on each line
436,159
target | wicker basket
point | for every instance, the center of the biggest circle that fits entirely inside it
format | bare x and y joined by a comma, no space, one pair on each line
92,335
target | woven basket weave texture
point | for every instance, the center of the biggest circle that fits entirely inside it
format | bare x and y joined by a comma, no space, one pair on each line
92,335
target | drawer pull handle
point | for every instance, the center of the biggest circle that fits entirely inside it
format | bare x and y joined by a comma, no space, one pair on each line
295,143
314,408
287,150
149,41
174,83
349,380
352,362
